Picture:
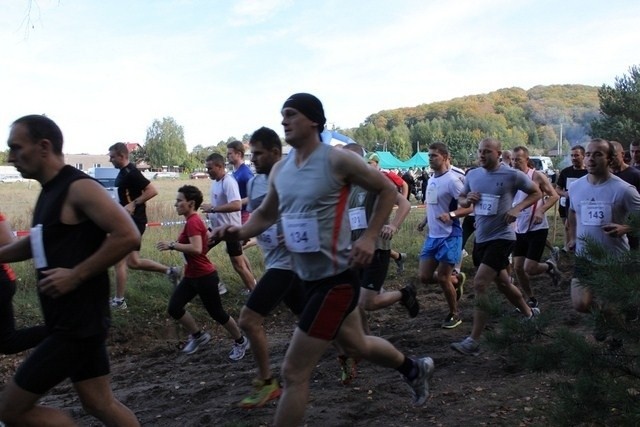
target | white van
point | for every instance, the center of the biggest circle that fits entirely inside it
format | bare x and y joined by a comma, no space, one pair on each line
542,163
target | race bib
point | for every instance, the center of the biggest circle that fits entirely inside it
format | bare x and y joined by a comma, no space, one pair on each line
268,240
301,232
487,205
357,218
595,213
432,194
37,247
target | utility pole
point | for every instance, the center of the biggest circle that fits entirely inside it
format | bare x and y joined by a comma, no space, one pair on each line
560,142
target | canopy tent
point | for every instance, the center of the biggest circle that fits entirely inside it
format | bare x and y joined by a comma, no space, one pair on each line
418,160
389,161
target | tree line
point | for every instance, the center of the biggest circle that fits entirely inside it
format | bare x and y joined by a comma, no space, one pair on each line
541,118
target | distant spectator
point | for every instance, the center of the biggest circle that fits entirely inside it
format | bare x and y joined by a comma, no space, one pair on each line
411,183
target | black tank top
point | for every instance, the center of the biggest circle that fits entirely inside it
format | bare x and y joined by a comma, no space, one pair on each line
83,312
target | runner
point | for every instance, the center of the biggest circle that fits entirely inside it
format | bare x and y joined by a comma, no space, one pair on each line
532,229
134,190
78,233
442,249
279,282
309,191
200,277
491,188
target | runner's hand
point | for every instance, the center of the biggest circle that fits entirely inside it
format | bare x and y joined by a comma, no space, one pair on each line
362,252
388,231
57,282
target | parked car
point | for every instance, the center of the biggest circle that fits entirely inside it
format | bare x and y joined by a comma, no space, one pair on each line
199,175
542,163
11,178
166,175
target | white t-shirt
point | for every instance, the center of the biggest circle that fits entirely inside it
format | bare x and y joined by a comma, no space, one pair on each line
596,205
222,192
442,196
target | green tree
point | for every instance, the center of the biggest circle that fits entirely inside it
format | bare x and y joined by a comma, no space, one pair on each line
366,135
165,144
620,109
400,142
139,156
462,145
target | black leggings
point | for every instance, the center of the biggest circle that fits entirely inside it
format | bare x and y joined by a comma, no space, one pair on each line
12,340
207,288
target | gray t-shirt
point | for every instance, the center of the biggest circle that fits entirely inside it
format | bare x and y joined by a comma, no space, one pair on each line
498,189
596,205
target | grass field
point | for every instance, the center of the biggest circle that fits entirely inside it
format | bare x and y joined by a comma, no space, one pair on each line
148,293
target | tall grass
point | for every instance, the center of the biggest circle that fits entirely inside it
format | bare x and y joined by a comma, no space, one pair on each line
148,293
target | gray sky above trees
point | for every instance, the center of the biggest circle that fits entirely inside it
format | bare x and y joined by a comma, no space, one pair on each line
105,70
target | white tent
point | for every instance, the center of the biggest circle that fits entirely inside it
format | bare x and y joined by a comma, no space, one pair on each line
334,138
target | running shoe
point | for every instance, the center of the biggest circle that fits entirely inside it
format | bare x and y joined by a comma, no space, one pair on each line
400,262
451,321
467,346
222,289
348,369
532,302
535,311
117,304
420,384
238,350
173,274
262,394
409,300
194,343
555,254
553,272
462,278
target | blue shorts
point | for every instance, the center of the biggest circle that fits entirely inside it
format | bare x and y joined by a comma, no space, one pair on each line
442,249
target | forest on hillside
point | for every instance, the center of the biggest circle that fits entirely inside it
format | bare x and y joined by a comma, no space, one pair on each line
540,118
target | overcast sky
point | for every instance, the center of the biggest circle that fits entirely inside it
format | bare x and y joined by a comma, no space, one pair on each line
104,70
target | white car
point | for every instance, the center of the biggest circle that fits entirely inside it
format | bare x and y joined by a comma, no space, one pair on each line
166,175
11,178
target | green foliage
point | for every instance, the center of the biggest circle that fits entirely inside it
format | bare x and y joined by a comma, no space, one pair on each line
199,154
165,145
399,143
604,376
512,115
139,156
620,109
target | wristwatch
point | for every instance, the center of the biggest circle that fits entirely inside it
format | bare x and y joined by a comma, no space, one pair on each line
172,245
452,214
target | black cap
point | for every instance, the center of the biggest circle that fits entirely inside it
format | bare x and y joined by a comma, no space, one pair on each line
308,105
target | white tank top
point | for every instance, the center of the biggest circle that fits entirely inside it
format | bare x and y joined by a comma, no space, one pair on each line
524,222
